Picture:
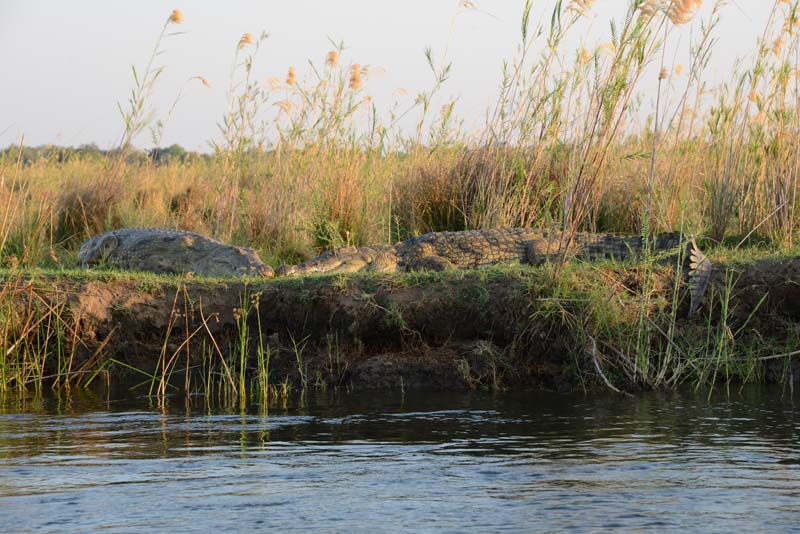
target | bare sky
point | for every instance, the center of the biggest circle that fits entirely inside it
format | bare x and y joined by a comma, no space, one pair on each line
66,64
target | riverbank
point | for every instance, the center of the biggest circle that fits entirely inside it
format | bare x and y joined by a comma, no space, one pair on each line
623,326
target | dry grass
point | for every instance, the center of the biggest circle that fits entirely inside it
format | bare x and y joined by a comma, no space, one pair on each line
563,147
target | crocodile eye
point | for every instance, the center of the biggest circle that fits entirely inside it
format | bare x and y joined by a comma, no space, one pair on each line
187,241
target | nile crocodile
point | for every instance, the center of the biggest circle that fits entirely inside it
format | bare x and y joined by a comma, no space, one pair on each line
161,250
476,248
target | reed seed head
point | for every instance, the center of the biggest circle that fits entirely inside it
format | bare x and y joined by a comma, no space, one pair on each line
678,69
285,106
245,40
203,80
291,76
332,59
682,11
176,17
608,48
355,77
581,7
777,46
649,8
663,74
679,12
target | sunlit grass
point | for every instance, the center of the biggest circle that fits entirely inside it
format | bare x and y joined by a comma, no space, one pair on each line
308,162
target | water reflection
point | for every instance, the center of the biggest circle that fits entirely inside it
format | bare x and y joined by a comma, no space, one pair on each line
522,461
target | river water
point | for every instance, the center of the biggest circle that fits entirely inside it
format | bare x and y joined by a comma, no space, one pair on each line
413,462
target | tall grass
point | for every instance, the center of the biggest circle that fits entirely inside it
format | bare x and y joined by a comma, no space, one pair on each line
310,162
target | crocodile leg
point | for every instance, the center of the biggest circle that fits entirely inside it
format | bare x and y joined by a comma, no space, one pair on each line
429,263
540,250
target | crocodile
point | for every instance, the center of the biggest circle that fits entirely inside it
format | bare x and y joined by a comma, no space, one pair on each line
477,248
162,250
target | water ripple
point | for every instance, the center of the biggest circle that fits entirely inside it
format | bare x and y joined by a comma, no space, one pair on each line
537,462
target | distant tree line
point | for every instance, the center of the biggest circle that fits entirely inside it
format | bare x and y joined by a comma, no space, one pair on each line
59,154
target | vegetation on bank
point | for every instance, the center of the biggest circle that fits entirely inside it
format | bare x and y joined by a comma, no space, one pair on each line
609,324
564,147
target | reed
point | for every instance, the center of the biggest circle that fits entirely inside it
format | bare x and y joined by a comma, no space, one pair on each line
310,162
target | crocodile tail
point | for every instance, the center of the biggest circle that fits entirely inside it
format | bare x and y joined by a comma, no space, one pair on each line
699,273
667,241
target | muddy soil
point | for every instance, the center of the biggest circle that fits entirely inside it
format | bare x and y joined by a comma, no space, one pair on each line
520,327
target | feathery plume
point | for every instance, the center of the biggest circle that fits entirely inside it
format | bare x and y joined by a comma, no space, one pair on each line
355,77
649,8
245,40
285,106
608,48
682,11
777,46
679,12
291,76
581,7
176,17
333,58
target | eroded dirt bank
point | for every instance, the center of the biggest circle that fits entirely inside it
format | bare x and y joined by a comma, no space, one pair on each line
496,327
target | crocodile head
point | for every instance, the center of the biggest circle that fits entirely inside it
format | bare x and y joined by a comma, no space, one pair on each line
97,250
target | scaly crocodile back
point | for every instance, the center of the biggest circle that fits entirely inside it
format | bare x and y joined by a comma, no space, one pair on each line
476,248
590,246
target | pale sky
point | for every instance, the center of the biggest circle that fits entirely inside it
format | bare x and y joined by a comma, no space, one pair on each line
66,64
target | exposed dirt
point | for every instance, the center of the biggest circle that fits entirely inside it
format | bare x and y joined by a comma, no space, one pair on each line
492,328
